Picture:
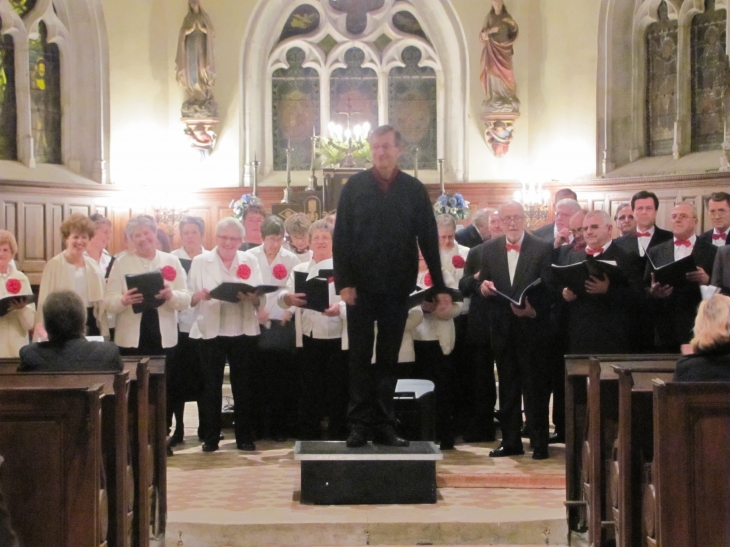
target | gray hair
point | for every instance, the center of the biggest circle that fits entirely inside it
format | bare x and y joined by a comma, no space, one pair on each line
605,217
574,205
510,202
199,222
64,316
384,130
621,206
446,220
230,222
321,225
137,221
691,206
272,226
482,216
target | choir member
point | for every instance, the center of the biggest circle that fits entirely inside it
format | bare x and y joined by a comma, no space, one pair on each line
721,269
297,230
477,232
163,241
276,375
322,342
509,265
16,324
625,221
718,209
226,331
253,219
73,270
96,248
675,307
150,332
549,232
184,373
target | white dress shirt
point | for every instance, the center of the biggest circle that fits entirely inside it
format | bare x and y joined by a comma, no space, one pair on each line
680,251
719,242
644,241
513,257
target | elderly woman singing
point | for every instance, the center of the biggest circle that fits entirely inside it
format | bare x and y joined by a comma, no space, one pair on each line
16,323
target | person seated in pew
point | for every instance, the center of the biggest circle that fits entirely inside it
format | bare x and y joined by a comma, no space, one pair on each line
709,360
17,323
67,349
674,308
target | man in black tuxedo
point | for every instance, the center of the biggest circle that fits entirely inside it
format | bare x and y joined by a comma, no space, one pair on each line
718,209
478,231
600,314
675,308
509,265
549,232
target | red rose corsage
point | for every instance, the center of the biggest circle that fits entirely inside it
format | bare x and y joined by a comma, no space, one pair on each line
279,271
427,280
458,261
169,273
13,286
243,271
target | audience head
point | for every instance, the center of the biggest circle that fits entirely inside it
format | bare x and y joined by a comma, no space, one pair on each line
512,217
564,193
447,230
8,249
163,242
320,240
564,209
272,232
192,230
718,209
576,229
253,218
141,230
102,231
645,206
229,234
684,220
480,220
712,324
625,221
76,231
64,316
297,226
597,229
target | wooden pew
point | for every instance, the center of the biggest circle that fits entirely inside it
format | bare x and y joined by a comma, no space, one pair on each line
688,502
586,416
633,448
52,475
115,436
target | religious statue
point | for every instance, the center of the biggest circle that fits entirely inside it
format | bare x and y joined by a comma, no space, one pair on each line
501,107
195,71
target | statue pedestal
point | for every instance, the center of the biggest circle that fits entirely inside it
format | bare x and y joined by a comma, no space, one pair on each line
498,130
201,133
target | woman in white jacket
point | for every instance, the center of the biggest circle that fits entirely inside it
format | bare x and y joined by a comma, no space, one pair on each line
14,325
225,330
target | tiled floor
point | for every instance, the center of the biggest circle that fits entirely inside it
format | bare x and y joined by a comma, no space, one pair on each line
233,498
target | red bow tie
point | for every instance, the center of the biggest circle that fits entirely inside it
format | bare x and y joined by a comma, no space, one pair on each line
592,252
511,247
682,242
643,234
718,236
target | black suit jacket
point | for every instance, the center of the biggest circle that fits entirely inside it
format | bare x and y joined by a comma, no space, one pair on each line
75,355
707,237
630,243
477,332
546,233
604,323
468,237
674,316
533,263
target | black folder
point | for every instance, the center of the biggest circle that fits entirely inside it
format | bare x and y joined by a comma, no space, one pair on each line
186,263
109,267
427,295
228,290
316,289
148,284
520,302
575,275
675,273
6,301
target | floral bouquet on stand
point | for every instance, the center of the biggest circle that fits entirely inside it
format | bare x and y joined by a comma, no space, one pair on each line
454,205
240,206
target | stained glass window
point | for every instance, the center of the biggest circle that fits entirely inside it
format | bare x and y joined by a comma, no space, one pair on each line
661,83
354,91
406,22
295,111
708,77
45,98
22,7
412,109
357,12
8,115
303,20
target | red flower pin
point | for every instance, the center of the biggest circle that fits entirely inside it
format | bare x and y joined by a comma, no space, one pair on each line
427,280
12,286
279,271
169,273
457,261
243,271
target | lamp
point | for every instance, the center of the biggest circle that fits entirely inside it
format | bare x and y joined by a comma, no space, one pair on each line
348,140
535,201
170,216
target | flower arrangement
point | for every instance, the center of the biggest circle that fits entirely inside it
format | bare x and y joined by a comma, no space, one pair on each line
239,206
455,205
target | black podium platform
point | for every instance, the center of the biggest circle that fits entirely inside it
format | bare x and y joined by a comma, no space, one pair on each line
333,474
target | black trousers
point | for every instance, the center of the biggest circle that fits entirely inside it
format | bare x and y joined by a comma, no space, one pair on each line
324,387
238,350
484,390
184,380
372,384
437,367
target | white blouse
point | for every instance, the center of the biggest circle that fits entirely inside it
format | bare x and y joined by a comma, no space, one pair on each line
284,259
14,325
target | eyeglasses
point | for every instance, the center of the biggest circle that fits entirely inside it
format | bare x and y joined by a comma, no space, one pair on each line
718,212
577,231
515,218
624,217
593,227
680,216
226,239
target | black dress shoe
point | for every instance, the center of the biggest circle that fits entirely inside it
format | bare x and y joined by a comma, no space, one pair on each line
504,451
248,446
387,436
210,447
540,453
357,438
177,438
556,438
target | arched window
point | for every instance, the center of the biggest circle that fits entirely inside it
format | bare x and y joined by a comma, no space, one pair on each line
45,97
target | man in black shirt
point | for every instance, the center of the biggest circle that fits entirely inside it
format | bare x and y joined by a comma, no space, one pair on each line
383,217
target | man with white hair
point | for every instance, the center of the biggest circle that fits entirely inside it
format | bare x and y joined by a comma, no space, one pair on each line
549,232
478,231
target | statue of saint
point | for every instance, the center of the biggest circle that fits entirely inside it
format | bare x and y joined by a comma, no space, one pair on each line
498,35
195,64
